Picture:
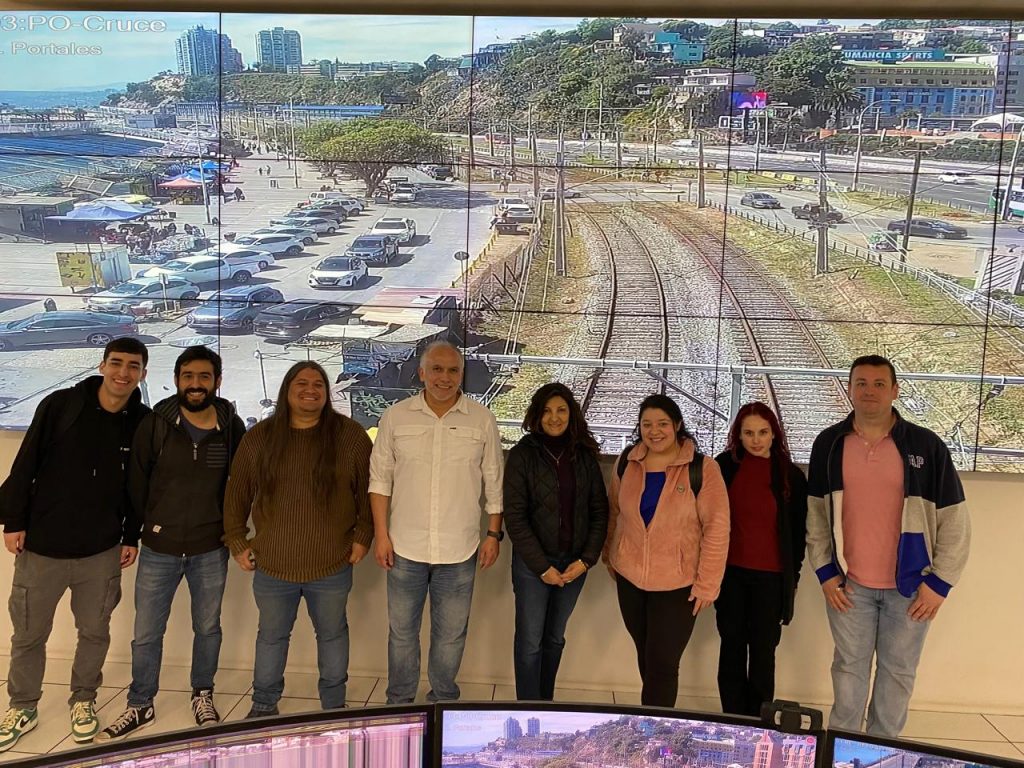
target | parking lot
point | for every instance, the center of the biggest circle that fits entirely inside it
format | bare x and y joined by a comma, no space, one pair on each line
448,216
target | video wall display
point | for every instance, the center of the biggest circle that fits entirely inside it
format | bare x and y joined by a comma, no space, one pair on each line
371,741
719,209
474,738
856,753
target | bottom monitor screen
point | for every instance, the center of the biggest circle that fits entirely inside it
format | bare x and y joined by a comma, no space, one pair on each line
848,753
383,741
474,738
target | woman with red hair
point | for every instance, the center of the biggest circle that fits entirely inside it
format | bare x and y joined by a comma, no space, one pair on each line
768,513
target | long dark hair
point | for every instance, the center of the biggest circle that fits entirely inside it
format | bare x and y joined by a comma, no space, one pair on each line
328,435
669,406
580,435
780,455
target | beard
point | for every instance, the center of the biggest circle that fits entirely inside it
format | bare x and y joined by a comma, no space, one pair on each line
191,405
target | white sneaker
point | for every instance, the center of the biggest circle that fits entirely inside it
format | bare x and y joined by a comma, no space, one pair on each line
84,723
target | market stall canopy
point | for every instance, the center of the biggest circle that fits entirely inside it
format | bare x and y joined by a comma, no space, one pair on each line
109,210
180,183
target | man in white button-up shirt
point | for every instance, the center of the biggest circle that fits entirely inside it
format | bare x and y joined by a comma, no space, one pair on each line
435,456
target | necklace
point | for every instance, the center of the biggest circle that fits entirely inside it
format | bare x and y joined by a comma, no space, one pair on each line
557,458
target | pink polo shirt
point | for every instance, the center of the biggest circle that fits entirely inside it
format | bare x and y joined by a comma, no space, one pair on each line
872,510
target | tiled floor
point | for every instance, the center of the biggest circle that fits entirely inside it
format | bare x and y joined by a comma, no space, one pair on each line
1000,735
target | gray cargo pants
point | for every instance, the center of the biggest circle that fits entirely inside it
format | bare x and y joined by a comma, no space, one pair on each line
39,584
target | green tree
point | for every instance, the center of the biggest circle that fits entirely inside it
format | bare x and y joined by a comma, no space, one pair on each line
592,30
202,88
688,30
837,96
368,149
726,42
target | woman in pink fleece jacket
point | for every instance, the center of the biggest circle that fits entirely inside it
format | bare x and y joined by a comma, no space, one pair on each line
665,548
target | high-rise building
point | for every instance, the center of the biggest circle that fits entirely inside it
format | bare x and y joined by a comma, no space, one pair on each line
279,50
931,88
202,51
533,726
768,752
513,730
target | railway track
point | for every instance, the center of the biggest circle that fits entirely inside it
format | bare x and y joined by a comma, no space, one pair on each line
767,329
636,326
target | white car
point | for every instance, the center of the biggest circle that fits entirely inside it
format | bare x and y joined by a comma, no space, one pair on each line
505,202
403,194
204,269
320,226
402,230
351,205
277,242
338,272
521,214
548,193
305,234
262,259
143,292
337,215
956,177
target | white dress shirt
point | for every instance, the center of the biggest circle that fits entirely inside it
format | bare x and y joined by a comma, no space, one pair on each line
435,469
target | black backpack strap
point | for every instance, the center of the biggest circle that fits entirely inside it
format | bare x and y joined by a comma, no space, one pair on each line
622,461
696,472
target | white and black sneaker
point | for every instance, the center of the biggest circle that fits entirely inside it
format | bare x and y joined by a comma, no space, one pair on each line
131,720
202,707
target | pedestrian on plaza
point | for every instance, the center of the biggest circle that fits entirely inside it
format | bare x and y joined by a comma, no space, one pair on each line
69,525
668,537
767,531
178,469
302,475
435,456
888,490
503,185
260,170
556,512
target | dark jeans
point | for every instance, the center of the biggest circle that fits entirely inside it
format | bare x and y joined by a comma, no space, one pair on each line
542,613
156,582
660,624
39,584
749,617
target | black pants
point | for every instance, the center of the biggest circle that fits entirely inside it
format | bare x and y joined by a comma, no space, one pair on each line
660,624
749,615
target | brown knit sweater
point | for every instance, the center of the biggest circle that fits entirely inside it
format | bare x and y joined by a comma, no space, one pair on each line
299,536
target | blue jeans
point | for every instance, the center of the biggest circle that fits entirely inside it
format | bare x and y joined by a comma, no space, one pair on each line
877,625
278,604
451,592
542,614
156,580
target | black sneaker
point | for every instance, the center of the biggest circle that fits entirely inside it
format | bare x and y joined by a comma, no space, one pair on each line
254,712
131,720
202,707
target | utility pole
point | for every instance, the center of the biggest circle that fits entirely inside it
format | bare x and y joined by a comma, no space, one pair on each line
511,146
757,149
472,156
1004,213
654,157
618,154
558,220
910,207
536,167
701,202
600,119
490,137
821,222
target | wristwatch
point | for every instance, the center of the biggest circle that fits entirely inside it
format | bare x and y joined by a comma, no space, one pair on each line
499,535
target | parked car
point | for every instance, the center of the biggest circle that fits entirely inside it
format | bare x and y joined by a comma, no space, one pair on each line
942,230
320,226
519,214
294,319
374,249
305,235
505,202
142,292
403,230
65,327
338,272
809,211
233,308
337,215
275,242
262,259
439,172
548,193
204,269
403,193
351,205
956,177
760,200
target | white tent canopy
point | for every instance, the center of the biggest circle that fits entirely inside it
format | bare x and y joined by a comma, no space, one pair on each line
1002,120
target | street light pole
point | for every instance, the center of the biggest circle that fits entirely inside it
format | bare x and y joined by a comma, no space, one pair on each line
860,136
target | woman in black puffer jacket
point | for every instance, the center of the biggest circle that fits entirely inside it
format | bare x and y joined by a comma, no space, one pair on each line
556,513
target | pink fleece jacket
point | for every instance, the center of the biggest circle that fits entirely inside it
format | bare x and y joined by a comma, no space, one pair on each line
688,539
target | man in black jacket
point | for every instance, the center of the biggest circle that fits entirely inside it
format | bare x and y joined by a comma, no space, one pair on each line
68,522
177,476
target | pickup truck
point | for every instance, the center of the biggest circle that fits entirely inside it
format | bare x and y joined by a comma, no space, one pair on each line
810,210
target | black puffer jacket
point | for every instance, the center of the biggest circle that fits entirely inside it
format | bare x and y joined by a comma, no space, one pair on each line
531,505
792,519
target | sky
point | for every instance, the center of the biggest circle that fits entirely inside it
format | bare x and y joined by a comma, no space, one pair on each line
115,57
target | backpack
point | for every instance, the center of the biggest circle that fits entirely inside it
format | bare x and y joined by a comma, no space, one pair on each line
696,468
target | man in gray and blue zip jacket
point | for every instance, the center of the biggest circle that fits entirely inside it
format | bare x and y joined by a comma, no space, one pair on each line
888,537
